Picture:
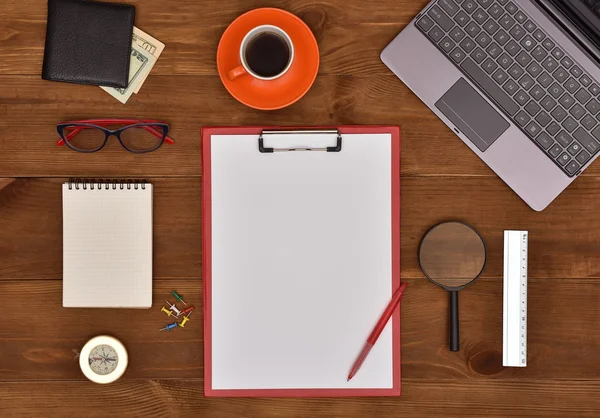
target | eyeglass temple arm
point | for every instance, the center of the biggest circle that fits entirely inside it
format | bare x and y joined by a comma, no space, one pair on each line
101,122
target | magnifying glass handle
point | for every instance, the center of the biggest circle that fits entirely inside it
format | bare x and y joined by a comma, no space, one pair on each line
454,338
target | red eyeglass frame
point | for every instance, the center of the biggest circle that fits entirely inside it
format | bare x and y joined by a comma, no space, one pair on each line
105,122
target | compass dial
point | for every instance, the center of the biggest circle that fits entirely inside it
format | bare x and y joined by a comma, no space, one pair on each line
103,359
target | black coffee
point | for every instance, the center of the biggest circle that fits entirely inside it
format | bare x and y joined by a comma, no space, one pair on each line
267,54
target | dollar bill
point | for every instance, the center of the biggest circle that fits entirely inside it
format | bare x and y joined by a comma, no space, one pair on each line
140,65
149,44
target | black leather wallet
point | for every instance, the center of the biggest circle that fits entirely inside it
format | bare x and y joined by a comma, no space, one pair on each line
88,42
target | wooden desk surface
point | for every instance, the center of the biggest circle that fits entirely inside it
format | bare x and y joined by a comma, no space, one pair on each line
441,179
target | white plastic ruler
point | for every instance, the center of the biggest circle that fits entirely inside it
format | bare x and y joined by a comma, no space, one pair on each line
514,352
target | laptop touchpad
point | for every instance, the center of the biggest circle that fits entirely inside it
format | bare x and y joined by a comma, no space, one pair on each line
472,114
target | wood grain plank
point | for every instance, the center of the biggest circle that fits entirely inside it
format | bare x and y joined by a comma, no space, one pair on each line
28,144
31,225
38,335
563,238
182,398
341,30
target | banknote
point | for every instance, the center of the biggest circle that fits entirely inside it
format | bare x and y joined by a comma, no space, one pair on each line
140,65
149,44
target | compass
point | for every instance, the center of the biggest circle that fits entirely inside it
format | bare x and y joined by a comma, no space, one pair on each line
103,359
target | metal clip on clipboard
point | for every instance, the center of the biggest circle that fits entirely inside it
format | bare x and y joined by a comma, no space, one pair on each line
336,148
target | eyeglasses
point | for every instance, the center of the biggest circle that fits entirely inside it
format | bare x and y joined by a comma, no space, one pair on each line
139,136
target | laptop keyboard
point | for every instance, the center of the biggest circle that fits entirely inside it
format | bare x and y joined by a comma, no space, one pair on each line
539,87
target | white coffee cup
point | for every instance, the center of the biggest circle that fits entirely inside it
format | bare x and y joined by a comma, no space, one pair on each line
245,69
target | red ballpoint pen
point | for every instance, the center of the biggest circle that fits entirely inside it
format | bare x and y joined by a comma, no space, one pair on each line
385,317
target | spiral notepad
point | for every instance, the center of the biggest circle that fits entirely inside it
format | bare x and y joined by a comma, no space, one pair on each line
107,244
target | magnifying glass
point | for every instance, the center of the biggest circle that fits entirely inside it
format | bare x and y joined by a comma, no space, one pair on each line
452,255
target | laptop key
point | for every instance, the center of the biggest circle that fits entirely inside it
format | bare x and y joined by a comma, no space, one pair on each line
534,69
539,35
583,157
516,71
557,53
548,103
564,159
526,82
484,3
522,118
588,122
470,6
495,11
539,54
569,124
572,86
530,26
567,62
512,48
441,18
577,111
543,139
563,139
447,44
478,55
532,108
550,64
480,16
489,66
472,29
458,55
555,150
528,43
425,23
517,32
457,34
523,58
507,22
582,96
501,37
491,27
537,92
520,16
500,77
435,34
548,44
560,74
483,39
553,128
522,98
585,80
593,106
511,87
556,90
574,148
511,8
594,89
576,71
566,101
461,18
559,113
505,61
572,167
449,6
542,118
491,88
587,140
544,79
467,44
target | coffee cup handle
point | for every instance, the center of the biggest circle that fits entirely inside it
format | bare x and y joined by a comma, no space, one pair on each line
236,72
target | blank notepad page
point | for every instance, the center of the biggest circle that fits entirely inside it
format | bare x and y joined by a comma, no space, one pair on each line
107,246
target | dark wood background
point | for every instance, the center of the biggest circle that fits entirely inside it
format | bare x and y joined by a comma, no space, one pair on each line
441,179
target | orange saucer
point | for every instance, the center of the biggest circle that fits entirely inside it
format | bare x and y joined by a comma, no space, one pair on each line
285,90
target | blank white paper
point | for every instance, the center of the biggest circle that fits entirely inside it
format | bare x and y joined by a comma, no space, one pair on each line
107,247
301,262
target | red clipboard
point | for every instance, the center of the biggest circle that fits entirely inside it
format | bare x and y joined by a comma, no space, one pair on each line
395,390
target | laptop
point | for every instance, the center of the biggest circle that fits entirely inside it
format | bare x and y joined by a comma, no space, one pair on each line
517,80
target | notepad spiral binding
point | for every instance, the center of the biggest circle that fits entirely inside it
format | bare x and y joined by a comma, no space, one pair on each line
106,184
